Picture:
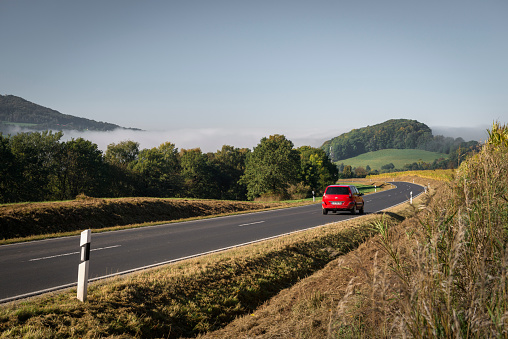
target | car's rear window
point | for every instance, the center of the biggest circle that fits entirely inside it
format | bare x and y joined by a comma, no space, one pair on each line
337,190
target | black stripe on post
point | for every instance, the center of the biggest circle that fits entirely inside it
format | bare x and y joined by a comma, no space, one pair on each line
85,252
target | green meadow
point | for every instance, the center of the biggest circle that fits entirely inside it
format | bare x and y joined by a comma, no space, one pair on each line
398,157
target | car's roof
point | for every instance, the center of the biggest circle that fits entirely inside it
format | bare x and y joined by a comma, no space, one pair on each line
339,185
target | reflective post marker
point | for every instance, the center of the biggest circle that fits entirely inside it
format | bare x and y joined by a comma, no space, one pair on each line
411,199
83,264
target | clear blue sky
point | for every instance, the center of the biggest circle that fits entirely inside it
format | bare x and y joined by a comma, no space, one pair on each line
231,69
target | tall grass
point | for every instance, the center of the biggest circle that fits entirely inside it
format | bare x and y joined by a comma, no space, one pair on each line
446,273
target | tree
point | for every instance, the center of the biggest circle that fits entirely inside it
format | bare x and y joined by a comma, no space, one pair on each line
230,165
120,159
160,170
81,170
34,160
347,172
7,171
341,167
199,175
388,167
123,153
317,171
272,166
360,172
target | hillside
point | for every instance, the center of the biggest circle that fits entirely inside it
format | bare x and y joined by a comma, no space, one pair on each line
16,111
391,134
398,157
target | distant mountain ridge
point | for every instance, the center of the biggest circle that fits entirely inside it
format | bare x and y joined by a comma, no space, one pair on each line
25,114
391,134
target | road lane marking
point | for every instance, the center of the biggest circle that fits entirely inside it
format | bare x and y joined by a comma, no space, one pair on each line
56,288
71,253
251,223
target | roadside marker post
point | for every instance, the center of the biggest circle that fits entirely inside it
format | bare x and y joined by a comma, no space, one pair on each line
84,264
313,197
411,198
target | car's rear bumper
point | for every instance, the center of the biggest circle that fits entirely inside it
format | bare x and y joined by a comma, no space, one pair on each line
343,207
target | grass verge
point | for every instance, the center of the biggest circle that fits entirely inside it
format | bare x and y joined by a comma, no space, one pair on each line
33,221
191,297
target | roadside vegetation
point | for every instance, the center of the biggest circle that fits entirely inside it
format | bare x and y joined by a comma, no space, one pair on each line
191,297
443,274
31,221
439,174
437,268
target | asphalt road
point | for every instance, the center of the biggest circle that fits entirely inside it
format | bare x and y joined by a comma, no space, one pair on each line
36,267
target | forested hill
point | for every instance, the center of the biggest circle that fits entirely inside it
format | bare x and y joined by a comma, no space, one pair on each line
395,133
18,111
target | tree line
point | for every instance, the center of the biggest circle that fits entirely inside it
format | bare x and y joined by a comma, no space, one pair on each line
39,166
392,134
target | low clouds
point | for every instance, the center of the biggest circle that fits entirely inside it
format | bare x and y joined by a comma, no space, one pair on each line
207,139
467,133
212,139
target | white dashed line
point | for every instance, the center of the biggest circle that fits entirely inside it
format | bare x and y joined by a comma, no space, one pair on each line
71,253
252,223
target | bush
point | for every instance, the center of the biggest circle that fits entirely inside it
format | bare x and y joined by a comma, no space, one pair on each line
298,191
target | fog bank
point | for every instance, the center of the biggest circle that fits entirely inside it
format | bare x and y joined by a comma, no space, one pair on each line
208,140
467,133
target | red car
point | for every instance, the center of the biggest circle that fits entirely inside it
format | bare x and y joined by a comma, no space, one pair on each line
342,198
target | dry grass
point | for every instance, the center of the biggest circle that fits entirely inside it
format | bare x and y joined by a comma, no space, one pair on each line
442,273
192,297
452,279
336,301
439,174
434,269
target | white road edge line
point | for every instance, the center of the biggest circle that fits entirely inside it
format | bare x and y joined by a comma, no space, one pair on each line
251,223
66,254
56,288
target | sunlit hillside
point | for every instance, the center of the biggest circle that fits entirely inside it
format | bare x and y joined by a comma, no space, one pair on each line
398,157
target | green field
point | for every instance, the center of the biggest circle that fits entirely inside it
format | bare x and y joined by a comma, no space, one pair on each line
398,157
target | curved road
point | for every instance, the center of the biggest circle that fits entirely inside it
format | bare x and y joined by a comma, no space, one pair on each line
33,268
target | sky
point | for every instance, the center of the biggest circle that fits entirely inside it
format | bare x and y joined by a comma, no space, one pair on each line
208,73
